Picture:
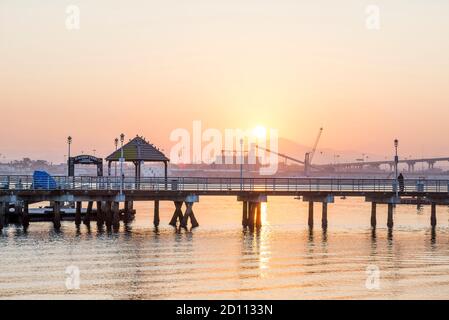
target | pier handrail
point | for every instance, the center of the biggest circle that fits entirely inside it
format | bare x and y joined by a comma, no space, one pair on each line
224,184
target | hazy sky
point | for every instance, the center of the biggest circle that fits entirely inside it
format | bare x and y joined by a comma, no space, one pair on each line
148,67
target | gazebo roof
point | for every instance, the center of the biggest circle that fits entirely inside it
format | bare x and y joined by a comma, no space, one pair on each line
138,149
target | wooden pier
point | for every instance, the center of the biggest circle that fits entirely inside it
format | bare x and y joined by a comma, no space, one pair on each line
99,199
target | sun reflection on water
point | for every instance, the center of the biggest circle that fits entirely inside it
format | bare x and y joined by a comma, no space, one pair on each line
264,210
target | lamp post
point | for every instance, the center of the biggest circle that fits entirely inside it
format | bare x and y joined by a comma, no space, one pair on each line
69,142
396,161
122,139
115,164
241,164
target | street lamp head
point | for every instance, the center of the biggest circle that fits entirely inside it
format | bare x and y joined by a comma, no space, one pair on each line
396,142
116,141
69,139
122,138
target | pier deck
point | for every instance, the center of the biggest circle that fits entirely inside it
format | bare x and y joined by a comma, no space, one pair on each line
107,193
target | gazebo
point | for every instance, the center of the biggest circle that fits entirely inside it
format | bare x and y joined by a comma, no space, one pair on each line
137,151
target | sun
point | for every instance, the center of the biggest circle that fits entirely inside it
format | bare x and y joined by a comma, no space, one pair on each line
260,132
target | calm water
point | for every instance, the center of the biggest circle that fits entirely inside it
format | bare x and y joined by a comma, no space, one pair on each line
220,261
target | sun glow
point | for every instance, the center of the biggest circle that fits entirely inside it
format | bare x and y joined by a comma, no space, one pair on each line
260,132
264,213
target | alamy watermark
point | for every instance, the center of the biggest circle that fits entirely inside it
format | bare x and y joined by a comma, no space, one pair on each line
73,279
72,20
373,277
372,20
233,146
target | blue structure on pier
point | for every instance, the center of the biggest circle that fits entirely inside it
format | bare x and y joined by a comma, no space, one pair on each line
43,180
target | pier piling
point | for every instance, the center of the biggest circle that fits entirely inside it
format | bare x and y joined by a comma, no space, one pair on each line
177,214
7,212
185,217
78,213
128,211
87,217
57,215
433,215
245,214
115,215
25,215
100,215
156,218
2,215
310,220
189,214
251,216
252,209
325,199
18,211
108,213
373,214
390,216
193,220
324,216
258,215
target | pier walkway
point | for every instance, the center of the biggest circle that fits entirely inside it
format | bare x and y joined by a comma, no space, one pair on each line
108,193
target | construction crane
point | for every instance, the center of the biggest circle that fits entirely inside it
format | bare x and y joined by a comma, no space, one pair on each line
315,145
309,155
280,155
307,158
287,157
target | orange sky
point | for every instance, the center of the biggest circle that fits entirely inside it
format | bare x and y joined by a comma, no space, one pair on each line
149,67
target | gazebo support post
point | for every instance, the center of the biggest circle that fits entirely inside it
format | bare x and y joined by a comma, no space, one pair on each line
165,174
136,173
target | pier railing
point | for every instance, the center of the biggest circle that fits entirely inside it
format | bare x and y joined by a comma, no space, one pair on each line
223,184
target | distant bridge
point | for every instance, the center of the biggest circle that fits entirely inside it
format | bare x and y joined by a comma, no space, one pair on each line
376,164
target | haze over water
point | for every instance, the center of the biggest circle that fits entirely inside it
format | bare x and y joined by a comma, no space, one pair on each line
220,261
149,67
